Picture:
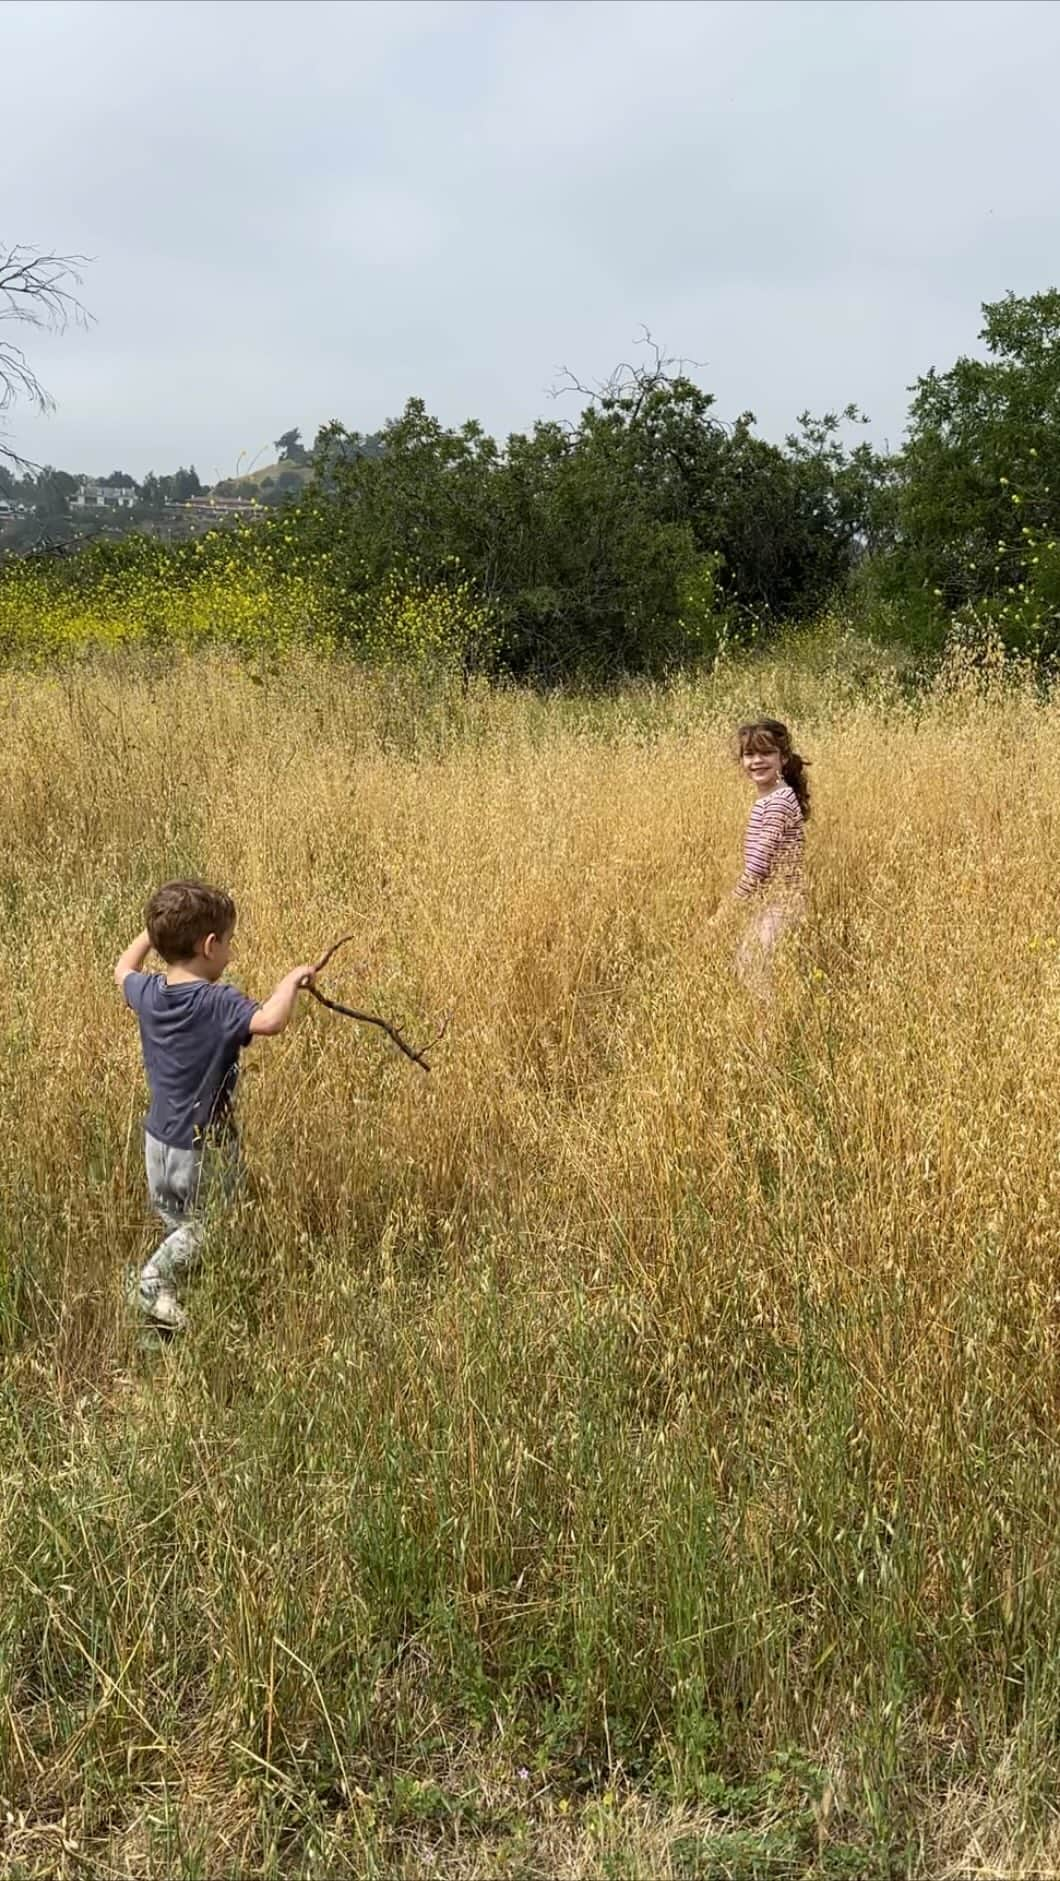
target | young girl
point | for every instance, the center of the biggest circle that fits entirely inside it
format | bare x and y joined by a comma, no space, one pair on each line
771,882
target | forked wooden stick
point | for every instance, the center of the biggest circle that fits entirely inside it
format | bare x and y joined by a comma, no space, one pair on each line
418,1057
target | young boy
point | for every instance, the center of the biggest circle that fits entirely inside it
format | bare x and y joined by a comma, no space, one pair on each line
192,1029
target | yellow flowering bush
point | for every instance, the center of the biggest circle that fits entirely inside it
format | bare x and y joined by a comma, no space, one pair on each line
408,624
255,589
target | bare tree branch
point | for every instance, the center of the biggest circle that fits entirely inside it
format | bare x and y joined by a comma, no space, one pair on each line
36,290
628,379
418,1054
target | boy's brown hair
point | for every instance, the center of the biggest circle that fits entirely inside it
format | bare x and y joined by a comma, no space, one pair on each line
179,916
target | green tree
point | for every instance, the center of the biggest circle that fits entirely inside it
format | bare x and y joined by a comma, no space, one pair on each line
979,479
184,483
52,491
628,539
290,449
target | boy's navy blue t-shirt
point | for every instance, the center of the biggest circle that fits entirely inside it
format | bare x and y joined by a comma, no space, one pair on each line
192,1035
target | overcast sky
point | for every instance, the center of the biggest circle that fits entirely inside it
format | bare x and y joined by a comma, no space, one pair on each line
297,211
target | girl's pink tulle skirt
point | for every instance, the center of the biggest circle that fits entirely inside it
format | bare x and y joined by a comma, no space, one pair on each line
762,938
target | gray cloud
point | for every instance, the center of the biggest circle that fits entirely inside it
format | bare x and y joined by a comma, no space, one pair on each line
300,211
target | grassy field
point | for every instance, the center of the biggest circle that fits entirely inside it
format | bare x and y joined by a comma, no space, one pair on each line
628,1451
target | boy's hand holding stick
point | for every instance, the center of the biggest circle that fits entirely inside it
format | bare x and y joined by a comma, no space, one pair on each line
418,1056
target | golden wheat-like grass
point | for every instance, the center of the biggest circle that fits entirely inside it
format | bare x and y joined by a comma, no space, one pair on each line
637,1433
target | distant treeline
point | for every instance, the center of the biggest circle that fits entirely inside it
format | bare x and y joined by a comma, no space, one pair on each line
644,532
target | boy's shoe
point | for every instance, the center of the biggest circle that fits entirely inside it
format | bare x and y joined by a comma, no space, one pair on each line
160,1306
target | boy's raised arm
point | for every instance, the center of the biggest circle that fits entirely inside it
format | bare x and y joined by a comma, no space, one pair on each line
273,1016
133,958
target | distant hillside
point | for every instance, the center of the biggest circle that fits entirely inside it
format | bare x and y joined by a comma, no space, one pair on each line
280,479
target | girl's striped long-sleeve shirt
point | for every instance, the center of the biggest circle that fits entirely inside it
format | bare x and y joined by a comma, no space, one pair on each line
772,853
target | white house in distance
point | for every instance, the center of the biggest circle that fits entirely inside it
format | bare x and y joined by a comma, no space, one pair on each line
93,495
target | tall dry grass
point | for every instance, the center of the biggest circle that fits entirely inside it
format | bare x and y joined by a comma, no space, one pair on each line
631,1449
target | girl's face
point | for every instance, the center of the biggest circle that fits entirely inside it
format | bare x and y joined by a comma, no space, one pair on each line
763,768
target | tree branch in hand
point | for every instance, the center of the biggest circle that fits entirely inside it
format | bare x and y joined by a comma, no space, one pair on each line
418,1054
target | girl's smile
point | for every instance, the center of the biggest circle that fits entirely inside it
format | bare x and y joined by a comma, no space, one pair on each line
764,769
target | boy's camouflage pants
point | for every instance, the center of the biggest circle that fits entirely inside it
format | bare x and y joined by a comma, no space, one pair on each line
187,1187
